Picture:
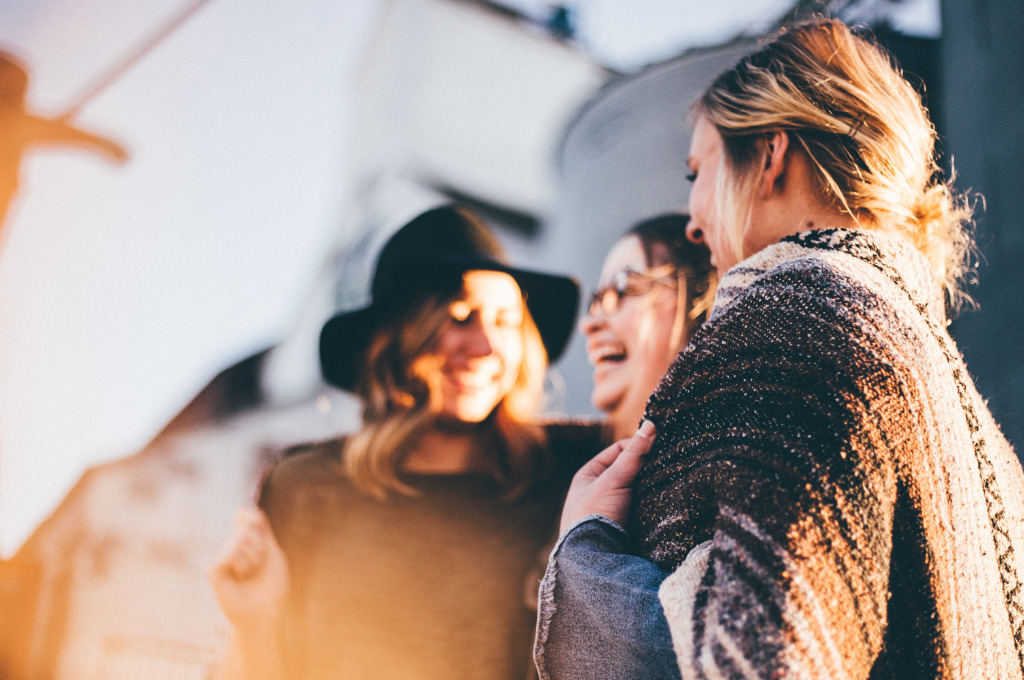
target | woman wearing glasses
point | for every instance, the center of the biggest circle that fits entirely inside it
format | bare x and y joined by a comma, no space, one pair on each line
656,288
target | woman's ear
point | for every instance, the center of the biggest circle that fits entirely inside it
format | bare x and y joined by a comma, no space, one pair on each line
776,145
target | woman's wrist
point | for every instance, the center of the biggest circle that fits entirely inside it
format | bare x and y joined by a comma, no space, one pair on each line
256,631
254,652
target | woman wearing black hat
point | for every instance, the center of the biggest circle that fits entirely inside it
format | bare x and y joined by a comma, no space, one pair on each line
408,549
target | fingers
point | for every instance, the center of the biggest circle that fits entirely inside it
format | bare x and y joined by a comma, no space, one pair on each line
622,468
604,485
596,466
638,446
246,550
641,442
253,536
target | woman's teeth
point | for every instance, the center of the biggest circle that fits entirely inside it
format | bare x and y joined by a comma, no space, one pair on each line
603,354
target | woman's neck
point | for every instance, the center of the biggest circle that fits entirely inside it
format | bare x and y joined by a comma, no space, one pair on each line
442,450
793,204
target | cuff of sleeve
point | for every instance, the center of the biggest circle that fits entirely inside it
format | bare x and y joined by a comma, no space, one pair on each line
599,608
594,531
588,534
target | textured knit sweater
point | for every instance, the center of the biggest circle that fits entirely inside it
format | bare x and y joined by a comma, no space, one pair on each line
828,491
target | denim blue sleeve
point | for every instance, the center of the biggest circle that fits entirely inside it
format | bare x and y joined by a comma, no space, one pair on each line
599,615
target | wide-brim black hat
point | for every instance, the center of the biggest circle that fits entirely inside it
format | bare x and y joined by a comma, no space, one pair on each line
429,255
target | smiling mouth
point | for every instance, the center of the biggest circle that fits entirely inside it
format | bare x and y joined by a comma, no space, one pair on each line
471,382
607,355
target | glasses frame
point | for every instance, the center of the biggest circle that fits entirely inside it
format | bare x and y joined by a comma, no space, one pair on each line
608,298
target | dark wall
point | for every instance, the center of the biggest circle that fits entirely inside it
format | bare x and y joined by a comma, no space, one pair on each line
982,111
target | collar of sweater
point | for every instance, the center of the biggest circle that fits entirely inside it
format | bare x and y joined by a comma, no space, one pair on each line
863,254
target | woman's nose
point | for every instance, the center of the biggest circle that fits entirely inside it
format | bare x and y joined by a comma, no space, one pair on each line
590,322
694,233
478,341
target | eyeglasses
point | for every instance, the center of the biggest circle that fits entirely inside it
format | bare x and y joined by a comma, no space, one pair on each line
626,282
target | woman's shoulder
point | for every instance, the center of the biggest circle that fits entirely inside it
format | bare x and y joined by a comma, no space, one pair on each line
791,295
576,430
796,319
791,268
305,486
312,455
838,267
573,440
306,465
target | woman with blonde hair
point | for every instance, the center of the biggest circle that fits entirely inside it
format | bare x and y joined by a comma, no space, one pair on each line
820,492
408,549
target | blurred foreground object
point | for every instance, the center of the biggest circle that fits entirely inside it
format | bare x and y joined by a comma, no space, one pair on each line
21,129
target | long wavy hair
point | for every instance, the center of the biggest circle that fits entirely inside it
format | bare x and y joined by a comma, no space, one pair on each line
845,103
399,406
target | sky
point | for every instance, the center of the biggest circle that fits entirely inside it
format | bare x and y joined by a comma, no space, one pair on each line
125,288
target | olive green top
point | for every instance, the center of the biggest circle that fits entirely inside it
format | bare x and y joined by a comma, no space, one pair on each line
439,585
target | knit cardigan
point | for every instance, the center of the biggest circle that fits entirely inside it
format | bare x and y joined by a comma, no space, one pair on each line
828,492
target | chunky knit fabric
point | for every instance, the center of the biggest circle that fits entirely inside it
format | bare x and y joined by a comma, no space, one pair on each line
828,490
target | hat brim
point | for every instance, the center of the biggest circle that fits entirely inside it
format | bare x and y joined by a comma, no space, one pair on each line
553,302
343,342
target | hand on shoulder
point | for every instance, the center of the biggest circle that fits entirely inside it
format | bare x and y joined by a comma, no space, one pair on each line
250,578
604,486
